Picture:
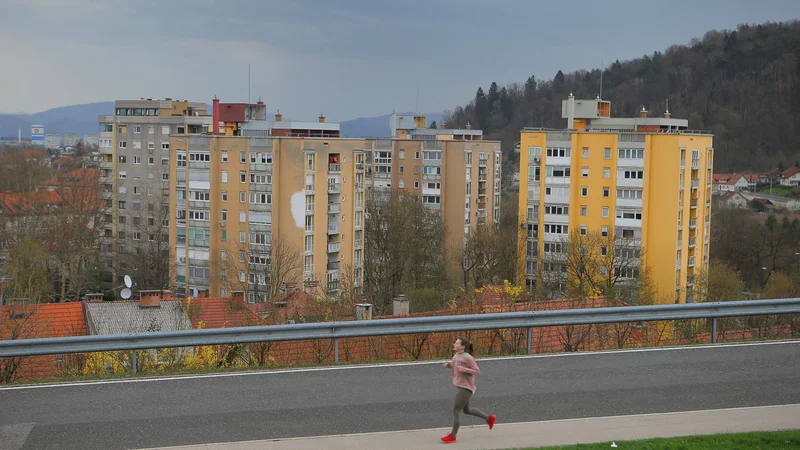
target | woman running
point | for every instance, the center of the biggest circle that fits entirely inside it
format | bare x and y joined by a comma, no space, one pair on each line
464,369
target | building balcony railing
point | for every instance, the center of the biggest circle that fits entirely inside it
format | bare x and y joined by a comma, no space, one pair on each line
334,188
334,168
334,247
334,228
334,208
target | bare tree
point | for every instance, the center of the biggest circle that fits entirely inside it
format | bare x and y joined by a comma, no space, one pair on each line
262,265
17,322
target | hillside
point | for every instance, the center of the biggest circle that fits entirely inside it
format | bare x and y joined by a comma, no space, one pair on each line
82,120
743,85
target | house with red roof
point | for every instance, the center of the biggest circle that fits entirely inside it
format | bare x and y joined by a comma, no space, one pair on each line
730,182
791,177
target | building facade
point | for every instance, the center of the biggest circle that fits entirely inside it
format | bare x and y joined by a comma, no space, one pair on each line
652,173
135,147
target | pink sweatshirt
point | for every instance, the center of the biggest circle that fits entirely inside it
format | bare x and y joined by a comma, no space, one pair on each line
464,369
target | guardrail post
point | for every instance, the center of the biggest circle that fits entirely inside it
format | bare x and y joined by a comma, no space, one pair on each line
133,361
336,350
530,340
713,330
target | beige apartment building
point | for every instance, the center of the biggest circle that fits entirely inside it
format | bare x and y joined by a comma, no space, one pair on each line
252,187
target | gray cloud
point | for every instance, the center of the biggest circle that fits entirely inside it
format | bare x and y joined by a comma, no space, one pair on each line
346,59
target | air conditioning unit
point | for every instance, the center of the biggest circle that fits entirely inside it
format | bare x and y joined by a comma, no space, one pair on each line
222,223
536,160
182,260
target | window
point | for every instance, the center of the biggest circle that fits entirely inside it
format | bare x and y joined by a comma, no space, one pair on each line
585,172
122,204
224,156
242,177
631,153
164,176
585,152
607,153
151,160
260,198
633,194
224,196
242,157
402,154
123,159
137,145
558,152
416,170
199,215
606,191
561,210
151,129
137,236
260,179
604,230
242,217
416,155
558,172
416,184
583,230
123,144
181,129
552,228
584,210
137,128
605,211
181,160
606,172
242,197
224,176
223,236
402,169
633,174
137,159
165,129
584,191
151,145
165,146
629,214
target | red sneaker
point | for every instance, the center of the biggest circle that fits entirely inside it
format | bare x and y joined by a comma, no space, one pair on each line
491,420
449,439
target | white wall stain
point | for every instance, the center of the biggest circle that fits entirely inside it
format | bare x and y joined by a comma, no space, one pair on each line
299,208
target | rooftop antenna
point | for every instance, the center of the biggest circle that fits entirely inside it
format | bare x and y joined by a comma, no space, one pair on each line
417,98
601,80
248,84
667,106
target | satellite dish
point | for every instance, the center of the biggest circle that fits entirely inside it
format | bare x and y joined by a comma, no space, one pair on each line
128,282
125,293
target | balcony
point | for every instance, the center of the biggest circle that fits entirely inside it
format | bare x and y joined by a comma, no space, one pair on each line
692,242
357,243
695,164
690,281
106,194
693,203
334,208
359,167
334,247
334,168
691,261
482,162
333,265
692,224
334,188
695,183
334,228
482,192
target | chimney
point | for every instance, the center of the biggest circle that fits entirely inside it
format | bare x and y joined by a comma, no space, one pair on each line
666,113
643,113
149,299
401,306
321,118
571,112
363,311
278,116
215,114
310,287
94,297
237,295
166,294
468,126
441,127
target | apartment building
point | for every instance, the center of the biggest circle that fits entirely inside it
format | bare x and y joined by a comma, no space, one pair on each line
255,187
254,190
453,170
653,173
135,147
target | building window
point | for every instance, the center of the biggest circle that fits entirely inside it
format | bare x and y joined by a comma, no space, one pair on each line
416,185
165,146
402,169
151,129
123,144
605,211
584,210
242,177
151,145
585,152
585,172
416,170
223,236
402,154
224,176
165,129
123,159
224,196
137,128
583,230
242,197
416,155
151,161
606,191
584,191
137,145
604,230
607,153
137,159
224,156
242,217
606,172
224,214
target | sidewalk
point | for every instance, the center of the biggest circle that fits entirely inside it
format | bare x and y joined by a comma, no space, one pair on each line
547,433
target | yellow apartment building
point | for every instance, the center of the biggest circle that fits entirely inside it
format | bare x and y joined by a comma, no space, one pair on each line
645,181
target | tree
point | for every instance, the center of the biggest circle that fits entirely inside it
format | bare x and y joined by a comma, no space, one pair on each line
403,250
719,283
262,266
26,273
433,125
17,321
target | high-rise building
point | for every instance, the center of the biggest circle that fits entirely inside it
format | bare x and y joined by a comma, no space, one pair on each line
254,189
135,146
37,135
652,173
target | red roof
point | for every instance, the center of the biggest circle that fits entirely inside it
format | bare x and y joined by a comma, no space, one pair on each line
14,203
220,312
790,171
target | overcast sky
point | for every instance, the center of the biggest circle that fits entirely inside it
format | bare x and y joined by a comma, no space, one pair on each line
344,58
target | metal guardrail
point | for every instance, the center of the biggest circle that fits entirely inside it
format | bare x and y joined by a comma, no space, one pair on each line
383,327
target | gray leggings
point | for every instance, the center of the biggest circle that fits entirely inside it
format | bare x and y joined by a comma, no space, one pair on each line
462,404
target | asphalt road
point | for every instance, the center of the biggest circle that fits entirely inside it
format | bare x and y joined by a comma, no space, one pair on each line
193,410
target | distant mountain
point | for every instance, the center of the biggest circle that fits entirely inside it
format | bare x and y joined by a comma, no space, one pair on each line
82,120
376,126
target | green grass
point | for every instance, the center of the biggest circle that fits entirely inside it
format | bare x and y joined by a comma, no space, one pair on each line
739,441
781,191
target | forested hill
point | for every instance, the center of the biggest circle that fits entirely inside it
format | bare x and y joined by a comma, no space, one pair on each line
742,85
